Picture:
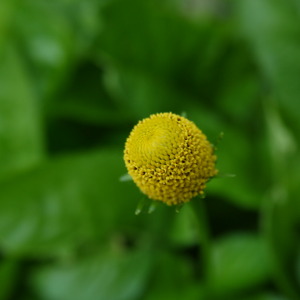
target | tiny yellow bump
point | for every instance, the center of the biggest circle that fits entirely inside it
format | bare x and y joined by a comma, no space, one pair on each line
169,158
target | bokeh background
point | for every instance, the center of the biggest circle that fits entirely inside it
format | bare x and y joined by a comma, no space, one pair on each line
76,76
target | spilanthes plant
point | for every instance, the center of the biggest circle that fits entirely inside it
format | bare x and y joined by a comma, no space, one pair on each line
169,158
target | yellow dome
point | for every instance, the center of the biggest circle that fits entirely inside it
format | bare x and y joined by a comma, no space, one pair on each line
169,158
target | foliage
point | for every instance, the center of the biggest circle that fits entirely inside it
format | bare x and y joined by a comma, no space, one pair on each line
76,76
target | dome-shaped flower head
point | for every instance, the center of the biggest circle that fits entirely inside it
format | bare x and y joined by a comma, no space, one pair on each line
169,158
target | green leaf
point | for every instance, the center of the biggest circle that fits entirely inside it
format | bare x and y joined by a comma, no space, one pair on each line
147,94
281,228
151,38
85,100
173,278
66,202
53,36
239,261
265,296
6,16
280,213
8,272
21,138
187,291
145,32
298,265
109,276
275,39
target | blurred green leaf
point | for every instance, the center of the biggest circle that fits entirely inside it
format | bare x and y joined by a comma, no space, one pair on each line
109,276
8,272
151,46
188,291
280,216
21,137
86,100
53,36
298,265
265,296
6,9
280,225
275,39
238,97
173,278
239,261
139,93
66,202
160,46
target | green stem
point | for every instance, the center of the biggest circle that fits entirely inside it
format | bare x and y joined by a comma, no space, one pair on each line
203,234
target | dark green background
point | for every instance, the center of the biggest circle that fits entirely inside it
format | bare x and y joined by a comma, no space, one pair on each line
75,76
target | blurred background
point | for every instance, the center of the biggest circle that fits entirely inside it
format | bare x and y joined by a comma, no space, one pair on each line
76,76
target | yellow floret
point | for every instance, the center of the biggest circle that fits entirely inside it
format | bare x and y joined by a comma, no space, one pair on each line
169,158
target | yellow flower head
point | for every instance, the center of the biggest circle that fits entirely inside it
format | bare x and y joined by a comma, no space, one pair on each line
169,158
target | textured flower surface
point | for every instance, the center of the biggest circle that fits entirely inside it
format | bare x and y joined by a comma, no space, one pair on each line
169,158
